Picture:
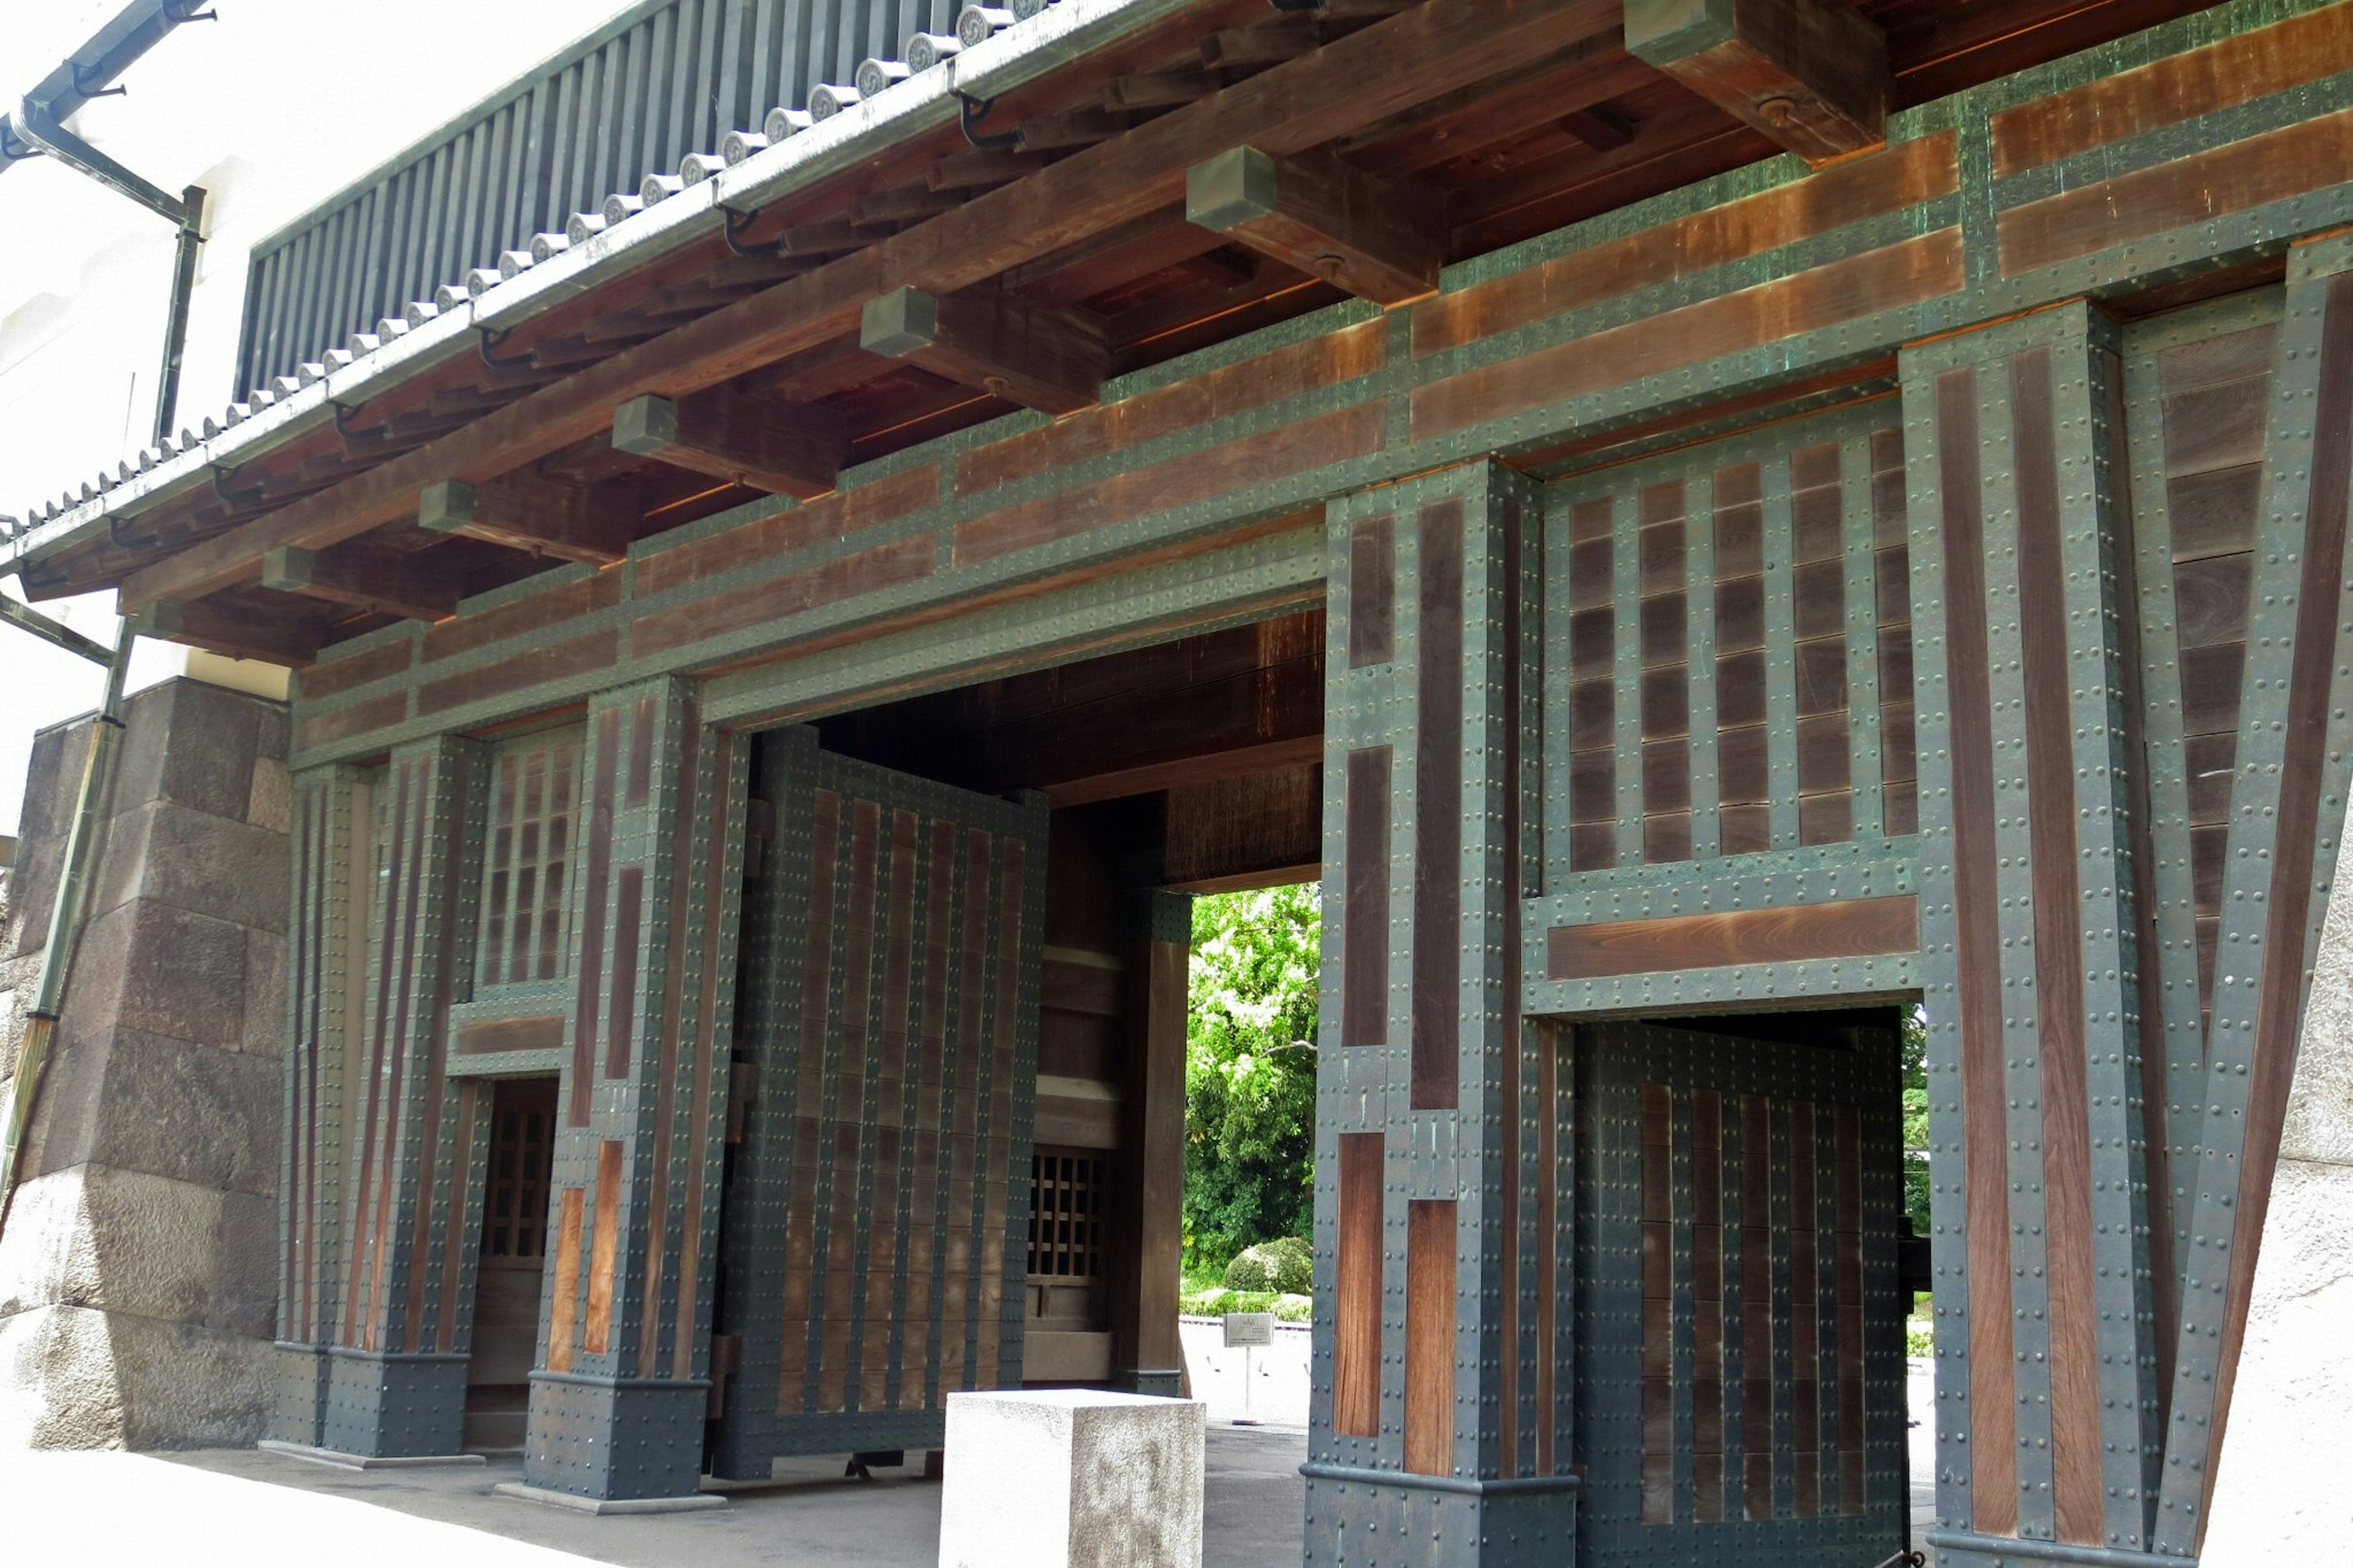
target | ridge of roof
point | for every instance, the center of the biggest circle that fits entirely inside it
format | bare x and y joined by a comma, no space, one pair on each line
993,50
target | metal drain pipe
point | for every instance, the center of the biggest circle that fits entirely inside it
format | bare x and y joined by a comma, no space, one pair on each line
73,883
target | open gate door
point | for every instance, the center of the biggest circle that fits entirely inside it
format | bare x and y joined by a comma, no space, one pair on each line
877,1212
1740,1396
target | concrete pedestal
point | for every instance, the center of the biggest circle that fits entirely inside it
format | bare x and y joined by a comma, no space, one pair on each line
1072,1478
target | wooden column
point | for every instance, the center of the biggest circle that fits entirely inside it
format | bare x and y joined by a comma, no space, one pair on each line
327,924
393,1283
1422,1148
1146,1353
2035,934
617,1400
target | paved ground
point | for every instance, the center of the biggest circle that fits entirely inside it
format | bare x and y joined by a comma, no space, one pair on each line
241,1508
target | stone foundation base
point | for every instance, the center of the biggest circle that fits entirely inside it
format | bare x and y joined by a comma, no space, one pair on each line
611,1440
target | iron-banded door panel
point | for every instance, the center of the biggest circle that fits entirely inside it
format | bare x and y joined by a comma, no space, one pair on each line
1740,1380
875,1234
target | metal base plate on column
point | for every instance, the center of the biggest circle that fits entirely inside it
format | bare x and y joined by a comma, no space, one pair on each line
342,1461
524,1492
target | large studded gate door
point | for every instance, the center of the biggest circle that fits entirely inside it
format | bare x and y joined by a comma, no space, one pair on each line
875,1232
1740,1376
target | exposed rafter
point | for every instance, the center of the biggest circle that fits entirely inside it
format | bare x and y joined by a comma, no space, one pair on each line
1040,356
789,449
362,579
1378,238
524,512
1811,74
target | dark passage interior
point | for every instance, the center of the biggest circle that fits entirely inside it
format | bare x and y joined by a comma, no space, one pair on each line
513,1261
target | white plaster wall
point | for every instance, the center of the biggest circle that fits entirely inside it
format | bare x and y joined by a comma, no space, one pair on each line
2280,1492
273,108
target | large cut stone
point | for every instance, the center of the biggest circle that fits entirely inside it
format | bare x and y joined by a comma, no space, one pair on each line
1073,1477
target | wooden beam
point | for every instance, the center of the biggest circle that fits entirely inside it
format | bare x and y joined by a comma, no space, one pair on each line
1256,830
1432,49
1811,74
366,580
524,512
1037,356
1378,238
235,632
786,450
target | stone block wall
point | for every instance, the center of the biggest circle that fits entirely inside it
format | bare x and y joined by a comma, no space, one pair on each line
138,1283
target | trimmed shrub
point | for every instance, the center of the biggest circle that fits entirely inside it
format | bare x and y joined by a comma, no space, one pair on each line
1293,1268
1248,1272
1286,1266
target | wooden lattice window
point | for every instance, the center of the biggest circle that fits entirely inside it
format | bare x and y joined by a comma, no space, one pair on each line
514,1223
527,858
1066,1194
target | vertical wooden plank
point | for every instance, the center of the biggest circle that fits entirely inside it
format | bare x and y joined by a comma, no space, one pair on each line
603,1250
1356,1289
1732,1183
1859,558
1780,656
1626,673
1756,1336
1437,958
1372,590
850,1137
1554,696
1589,730
1430,1350
794,1367
1364,914
1846,1123
1656,1323
1699,645
2057,958
621,1008
564,1280
1783,1269
883,1308
1707,1307
1805,1319
1977,1027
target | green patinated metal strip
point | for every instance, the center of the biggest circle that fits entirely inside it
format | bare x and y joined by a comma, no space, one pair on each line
1817,874
1891,977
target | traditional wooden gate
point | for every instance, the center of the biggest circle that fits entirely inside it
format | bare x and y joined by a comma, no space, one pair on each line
875,1234
1741,1398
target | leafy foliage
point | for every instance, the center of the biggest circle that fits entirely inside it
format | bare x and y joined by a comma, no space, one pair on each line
1286,1265
1915,1118
1249,1071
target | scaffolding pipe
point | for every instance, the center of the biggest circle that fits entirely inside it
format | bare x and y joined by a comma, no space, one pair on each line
65,921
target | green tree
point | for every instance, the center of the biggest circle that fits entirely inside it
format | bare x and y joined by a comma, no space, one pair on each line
1916,1118
1249,1071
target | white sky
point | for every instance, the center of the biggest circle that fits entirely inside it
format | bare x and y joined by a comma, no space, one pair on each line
273,108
